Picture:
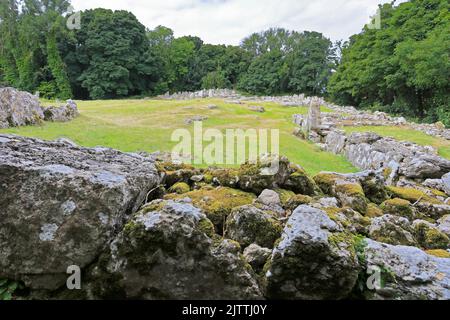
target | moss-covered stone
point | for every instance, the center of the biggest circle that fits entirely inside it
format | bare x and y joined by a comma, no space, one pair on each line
430,237
217,203
412,195
173,173
180,188
299,181
373,211
207,227
285,195
226,177
398,207
440,253
326,181
297,200
248,224
352,195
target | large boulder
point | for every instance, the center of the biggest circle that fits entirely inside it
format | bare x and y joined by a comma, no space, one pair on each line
248,224
19,108
60,205
63,113
167,252
406,272
315,259
393,230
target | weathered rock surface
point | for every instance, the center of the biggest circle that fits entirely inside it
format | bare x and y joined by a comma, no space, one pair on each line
393,230
61,204
407,272
257,256
248,224
315,259
61,114
18,108
166,252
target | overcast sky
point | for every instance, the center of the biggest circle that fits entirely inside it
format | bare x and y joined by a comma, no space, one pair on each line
229,21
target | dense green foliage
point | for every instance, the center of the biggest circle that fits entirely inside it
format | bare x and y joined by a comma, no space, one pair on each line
113,55
402,68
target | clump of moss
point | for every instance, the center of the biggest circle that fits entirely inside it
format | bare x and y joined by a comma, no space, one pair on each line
399,207
285,195
440,253
351,189
207,227
343,240
412,195
217,203
373,211
352,195
326,181
387,172
247,227
180,188
438,193
297,200
226,177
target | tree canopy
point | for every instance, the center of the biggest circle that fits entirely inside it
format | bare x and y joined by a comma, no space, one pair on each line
404,67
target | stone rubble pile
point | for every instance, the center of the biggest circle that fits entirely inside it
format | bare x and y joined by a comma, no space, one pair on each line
142,228
19,108
341,115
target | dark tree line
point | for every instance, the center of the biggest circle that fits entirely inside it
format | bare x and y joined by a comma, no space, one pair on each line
403,67
113,55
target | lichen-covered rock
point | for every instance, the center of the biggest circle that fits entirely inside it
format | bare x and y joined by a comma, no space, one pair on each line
63,113
398,207
393,230
346,188
299,181
431,210
315,259
297,200
269,198
430,237
248,224
217,203
174,172
351,195
60,205
19,108
270,172
407,273
257,256
165,253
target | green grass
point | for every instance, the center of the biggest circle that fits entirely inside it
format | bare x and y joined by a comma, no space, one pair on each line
407,134
147,125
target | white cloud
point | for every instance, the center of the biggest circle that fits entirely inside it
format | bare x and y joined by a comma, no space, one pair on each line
229,21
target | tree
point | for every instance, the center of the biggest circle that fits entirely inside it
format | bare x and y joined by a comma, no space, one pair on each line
112,50
404,66
267,74
215,80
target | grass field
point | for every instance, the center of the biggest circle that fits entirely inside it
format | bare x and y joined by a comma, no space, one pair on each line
408,134
147,125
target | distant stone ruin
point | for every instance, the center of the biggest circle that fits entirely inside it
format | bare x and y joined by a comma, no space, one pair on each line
19,108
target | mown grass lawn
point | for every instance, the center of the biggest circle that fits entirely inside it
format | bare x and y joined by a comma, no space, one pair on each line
147,125
407,134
